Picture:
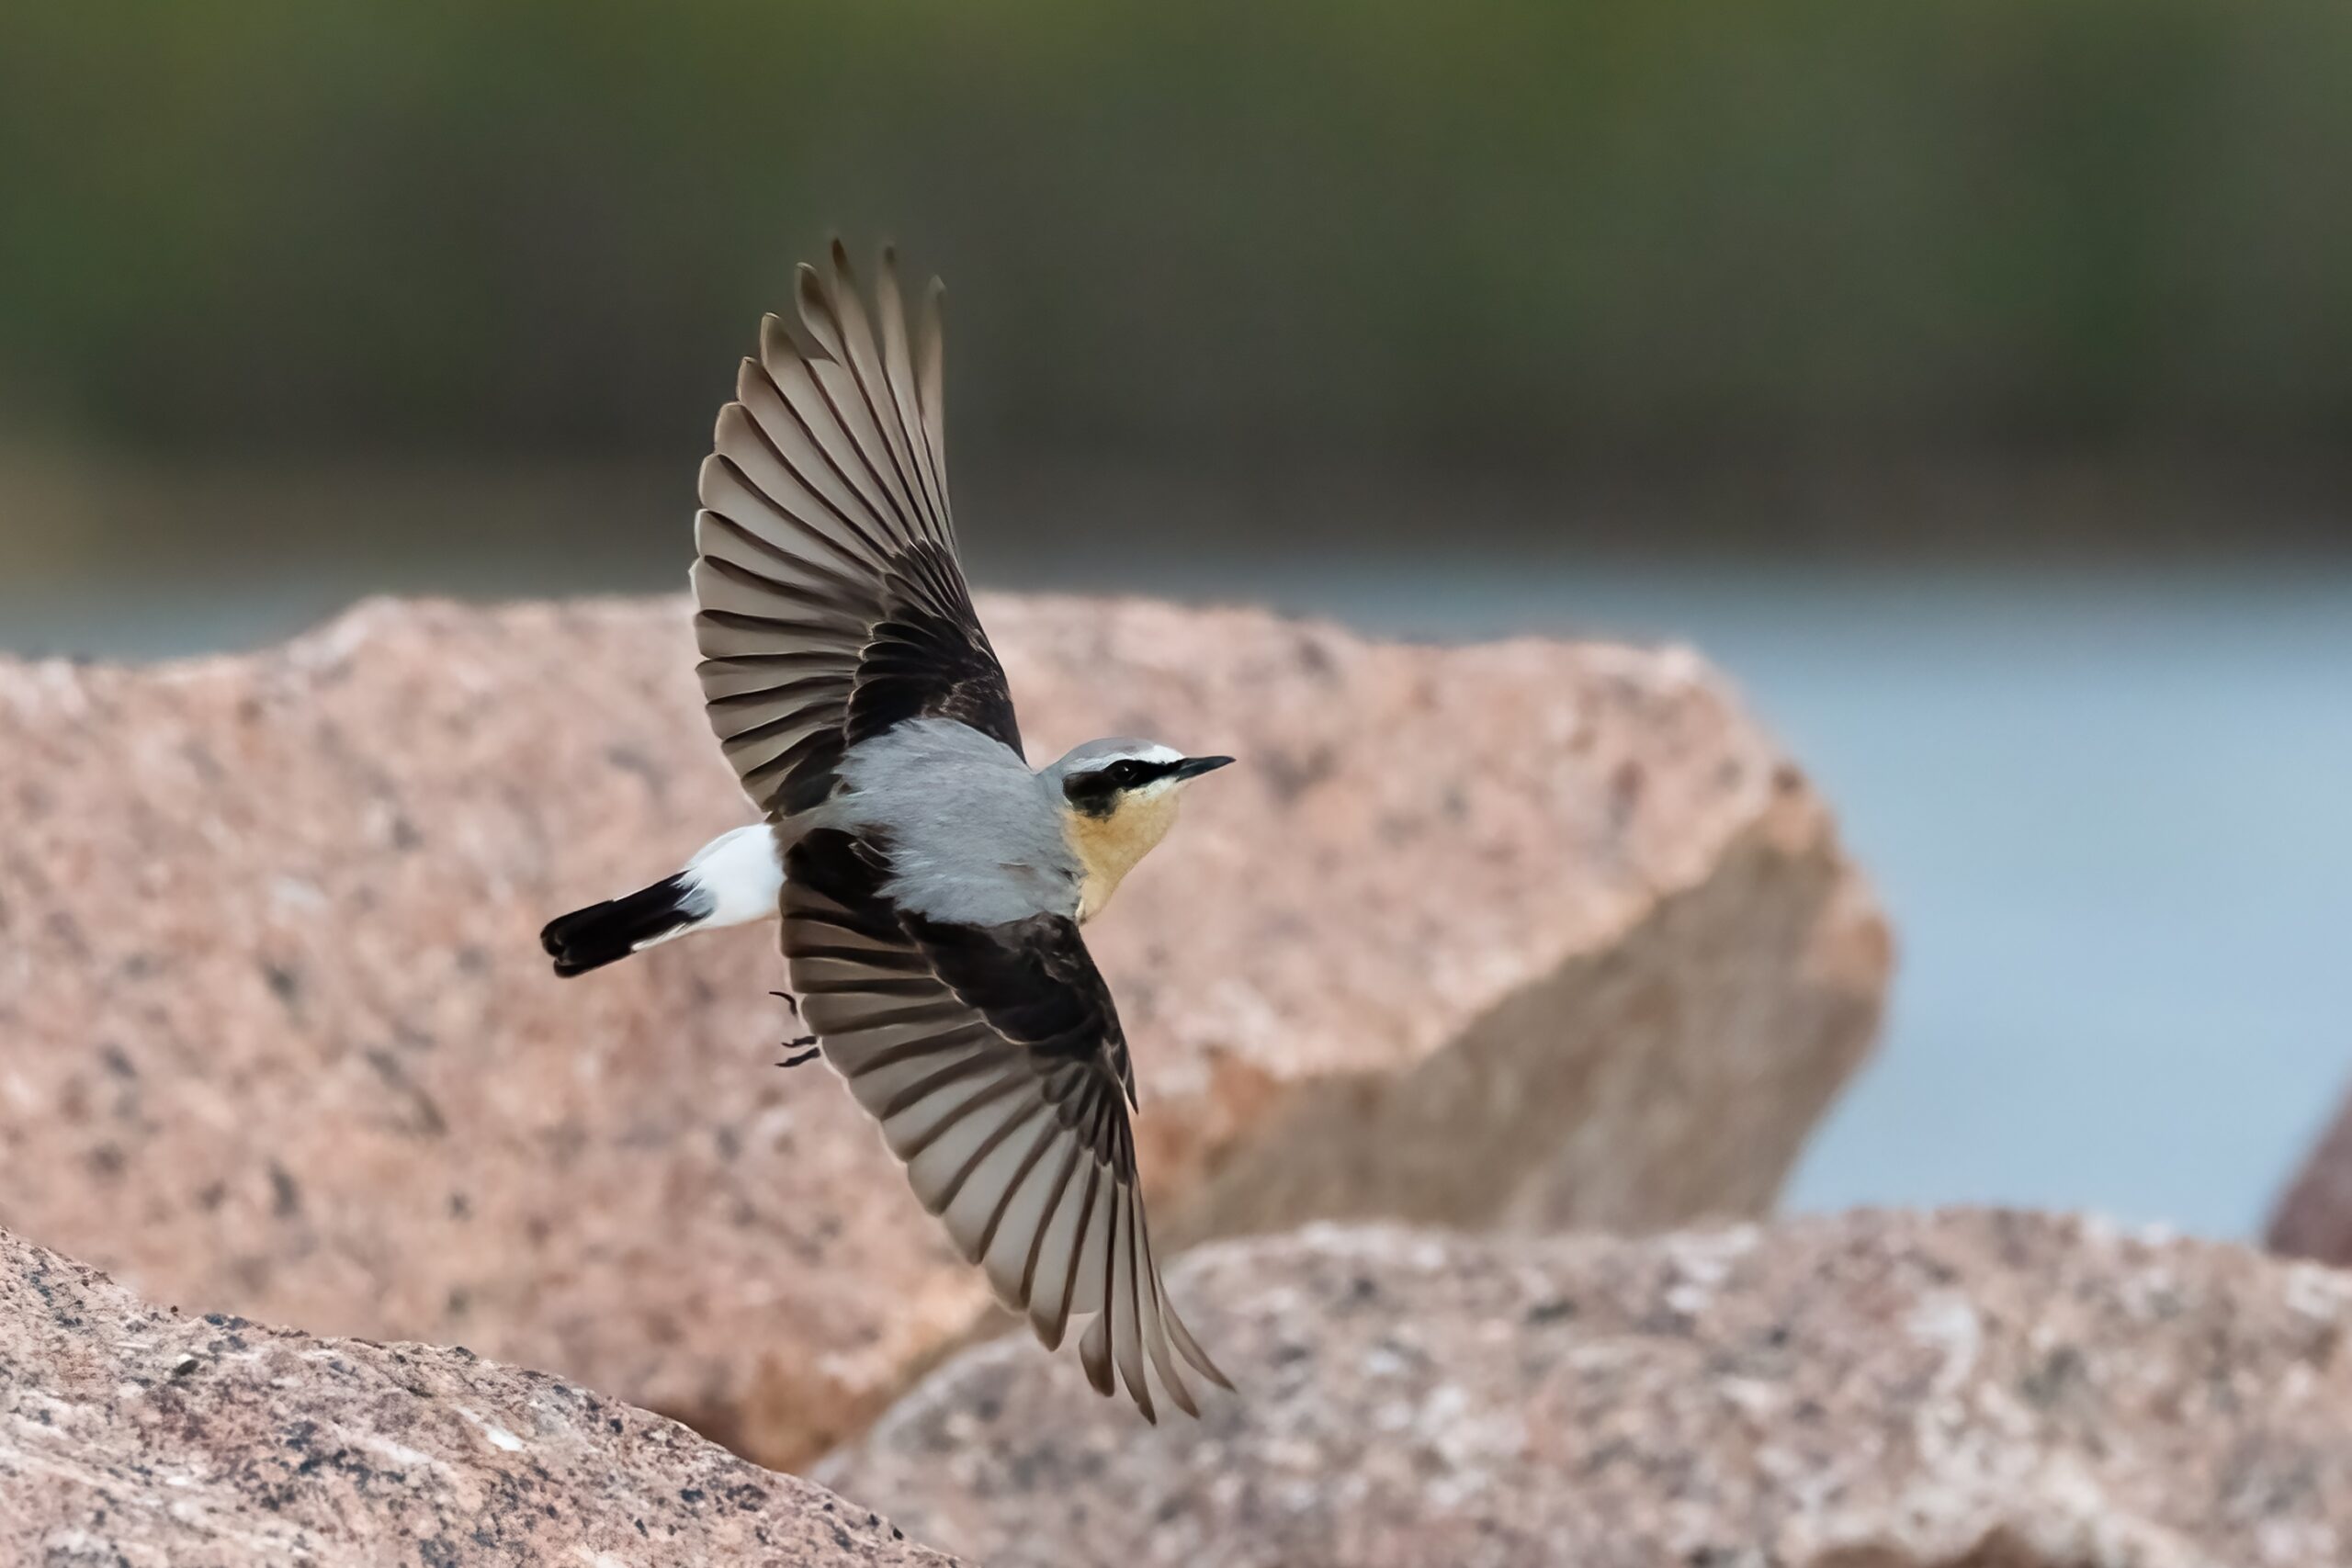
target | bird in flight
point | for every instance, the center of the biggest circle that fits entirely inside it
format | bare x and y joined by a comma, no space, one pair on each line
930,884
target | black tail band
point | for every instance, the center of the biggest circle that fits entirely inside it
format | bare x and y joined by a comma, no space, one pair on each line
591,938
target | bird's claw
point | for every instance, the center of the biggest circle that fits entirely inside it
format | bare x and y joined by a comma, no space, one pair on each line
807,1039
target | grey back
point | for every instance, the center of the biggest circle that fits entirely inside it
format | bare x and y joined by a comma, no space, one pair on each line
975,836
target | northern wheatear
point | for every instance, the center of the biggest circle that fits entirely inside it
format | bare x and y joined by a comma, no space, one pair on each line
930,883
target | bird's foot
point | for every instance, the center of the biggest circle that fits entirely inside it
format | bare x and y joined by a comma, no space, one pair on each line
809,1039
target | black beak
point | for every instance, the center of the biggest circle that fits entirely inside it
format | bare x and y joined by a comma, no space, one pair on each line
1193,767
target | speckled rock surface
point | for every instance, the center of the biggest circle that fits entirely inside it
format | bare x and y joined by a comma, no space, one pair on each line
1526,934
2313,1218
134,1437
1875,1391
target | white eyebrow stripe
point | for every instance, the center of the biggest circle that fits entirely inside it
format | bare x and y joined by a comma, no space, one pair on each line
1155,753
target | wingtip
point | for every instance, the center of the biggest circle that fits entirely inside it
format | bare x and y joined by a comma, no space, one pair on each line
821,314
711,483
778,348
1095,1354
1190,1348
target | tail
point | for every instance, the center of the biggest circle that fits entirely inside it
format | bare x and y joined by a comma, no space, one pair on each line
591,938
735,878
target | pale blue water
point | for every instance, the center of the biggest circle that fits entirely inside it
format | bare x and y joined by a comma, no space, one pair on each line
2112,818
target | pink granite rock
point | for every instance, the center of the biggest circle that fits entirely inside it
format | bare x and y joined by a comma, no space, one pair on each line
1529,934
132,1437
1875,1391
2314,1215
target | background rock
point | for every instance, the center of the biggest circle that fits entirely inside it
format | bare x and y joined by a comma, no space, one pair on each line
1876,1391
2313,1218
1528,933
134,1437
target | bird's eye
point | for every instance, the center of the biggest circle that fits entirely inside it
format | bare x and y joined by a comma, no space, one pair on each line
1123,773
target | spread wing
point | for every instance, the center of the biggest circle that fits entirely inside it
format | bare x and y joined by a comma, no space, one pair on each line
830,605
993,1059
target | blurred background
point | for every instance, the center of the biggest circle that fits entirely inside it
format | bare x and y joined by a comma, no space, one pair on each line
1972,381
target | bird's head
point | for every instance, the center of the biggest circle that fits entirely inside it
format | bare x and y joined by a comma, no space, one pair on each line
1118,798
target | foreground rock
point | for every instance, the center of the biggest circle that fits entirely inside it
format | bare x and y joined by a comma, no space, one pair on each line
135,1438
1529,934
2314,1215
1879,1390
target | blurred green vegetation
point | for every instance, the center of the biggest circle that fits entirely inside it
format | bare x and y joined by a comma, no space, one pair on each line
1525,231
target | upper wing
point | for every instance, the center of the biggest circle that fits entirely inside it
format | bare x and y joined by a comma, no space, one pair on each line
993,1059
829,603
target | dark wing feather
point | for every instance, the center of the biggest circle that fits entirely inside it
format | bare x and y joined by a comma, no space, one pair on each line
993,1059
829,603
1035,983
928,658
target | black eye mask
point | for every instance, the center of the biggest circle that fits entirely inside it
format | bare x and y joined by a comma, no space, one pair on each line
1096,790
